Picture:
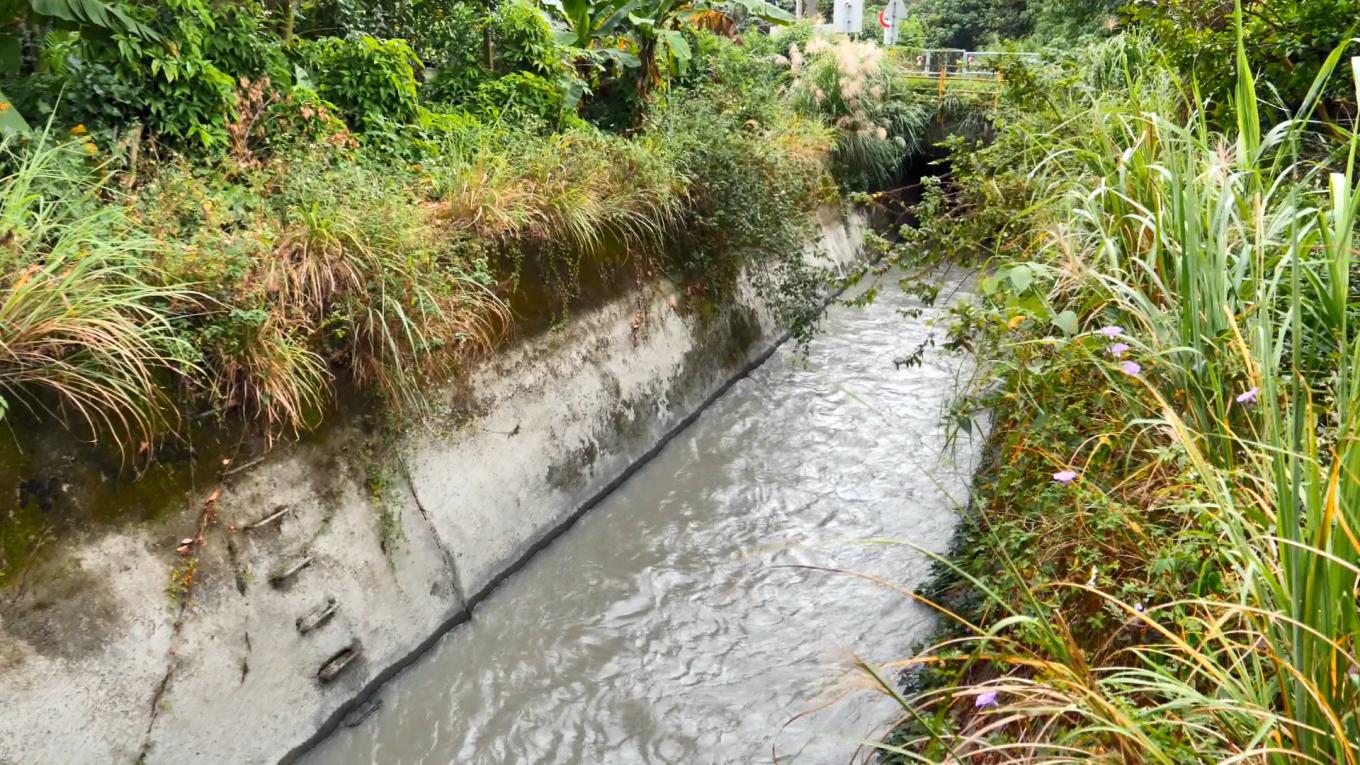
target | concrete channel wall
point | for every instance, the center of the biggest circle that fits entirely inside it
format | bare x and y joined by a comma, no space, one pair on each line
316,583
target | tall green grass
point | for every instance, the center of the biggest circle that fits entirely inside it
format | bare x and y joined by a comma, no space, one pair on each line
85,329
1226,258
879,119
576,191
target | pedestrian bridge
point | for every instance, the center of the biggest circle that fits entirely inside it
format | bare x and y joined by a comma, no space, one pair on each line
957,63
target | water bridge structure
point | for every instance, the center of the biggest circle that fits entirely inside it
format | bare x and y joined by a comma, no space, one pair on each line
956,71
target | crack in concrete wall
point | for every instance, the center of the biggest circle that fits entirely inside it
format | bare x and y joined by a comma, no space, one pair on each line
449,560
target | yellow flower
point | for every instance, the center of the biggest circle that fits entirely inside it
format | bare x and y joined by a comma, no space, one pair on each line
1015,322
4,105
79,130
90,148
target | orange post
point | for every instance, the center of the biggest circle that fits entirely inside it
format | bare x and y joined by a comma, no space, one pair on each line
939,102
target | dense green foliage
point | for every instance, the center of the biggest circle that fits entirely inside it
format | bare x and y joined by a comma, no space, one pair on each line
368,79
977,24
442,34
1162,563
286,213
1290,40
974,23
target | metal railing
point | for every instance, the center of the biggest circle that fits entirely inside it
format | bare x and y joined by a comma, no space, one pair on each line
956,62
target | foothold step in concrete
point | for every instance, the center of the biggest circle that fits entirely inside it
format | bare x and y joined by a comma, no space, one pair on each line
285,575
339,662
317,616
275,516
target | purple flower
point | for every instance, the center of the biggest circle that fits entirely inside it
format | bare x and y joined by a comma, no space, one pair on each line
1138,607
1113,330
1130,368
1248,397
1065,477
1118,350
985,699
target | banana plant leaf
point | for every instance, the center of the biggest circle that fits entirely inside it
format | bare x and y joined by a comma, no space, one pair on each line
92,13
11,121
588,20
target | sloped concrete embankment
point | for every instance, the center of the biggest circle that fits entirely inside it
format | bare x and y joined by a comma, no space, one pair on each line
335,563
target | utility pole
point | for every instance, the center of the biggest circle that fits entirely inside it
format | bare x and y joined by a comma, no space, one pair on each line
488,57
891,19
848,17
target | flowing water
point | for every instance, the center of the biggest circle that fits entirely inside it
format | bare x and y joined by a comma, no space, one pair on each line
679,621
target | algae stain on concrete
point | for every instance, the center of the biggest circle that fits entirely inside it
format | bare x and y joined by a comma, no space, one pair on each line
724,340
570,472
68,615
55,487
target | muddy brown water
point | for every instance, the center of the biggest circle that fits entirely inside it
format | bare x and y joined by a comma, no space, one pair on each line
678,621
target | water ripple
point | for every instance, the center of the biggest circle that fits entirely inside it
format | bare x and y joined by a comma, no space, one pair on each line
668,626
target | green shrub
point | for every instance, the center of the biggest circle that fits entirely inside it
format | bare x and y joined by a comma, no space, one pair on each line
80,92
445,36
778,42
745,85
442,33
241,45
521,97
973,24
172,83
911,33
454,85
433,137
450,134
1289,40
448,34
752,192
613,102
522,41
458,64
301,117
179,83
367,78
